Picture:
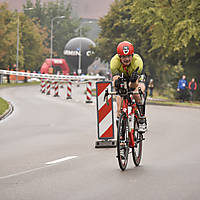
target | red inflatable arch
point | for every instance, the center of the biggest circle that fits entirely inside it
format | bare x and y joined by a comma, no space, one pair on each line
55,62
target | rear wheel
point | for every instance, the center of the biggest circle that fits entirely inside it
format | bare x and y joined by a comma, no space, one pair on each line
137,149
122,142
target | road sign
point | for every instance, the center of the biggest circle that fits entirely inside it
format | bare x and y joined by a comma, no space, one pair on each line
105,125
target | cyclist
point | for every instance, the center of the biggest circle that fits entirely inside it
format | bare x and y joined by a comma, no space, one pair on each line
130,64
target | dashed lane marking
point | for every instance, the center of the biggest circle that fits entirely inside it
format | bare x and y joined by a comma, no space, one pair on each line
48,164
60,160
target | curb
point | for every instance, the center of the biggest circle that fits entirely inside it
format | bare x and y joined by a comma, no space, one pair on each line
7,112
174,105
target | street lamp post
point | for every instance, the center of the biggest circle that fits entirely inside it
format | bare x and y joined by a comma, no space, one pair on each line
17,56
80,48
51,48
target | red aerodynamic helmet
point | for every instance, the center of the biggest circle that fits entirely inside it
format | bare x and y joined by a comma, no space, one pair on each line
125,48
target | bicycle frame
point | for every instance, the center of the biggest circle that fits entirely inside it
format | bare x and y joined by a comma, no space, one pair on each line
125,108
129,115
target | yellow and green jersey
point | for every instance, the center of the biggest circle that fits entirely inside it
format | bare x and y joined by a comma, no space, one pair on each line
117,67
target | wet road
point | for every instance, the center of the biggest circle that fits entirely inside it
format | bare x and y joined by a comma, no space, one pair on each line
47,152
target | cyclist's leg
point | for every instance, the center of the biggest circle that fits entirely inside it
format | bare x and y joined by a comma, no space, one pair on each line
140,102
141,106
119,101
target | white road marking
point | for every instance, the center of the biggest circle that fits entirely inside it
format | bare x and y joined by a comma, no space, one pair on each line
60,160
24,172
49,164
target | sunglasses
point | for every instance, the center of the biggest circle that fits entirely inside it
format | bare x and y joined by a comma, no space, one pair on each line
125,56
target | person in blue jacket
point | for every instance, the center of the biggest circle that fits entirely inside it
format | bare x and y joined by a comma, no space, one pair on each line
182,88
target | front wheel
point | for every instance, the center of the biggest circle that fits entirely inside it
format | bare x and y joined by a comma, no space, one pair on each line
137,149
122,142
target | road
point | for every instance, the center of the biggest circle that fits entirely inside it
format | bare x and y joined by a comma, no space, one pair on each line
47,152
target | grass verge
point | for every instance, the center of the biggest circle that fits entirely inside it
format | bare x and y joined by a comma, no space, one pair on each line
175,103
3,106
17,84
163,100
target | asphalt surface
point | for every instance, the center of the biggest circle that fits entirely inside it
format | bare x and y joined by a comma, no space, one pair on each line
47,152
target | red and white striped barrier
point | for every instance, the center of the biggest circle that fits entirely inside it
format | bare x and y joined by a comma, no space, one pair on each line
48,87
61,84
56,89
69,90
88,92
42,86
52,84
105,120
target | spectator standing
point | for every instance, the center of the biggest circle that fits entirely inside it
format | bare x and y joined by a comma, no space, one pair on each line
151,87
182,86
192,87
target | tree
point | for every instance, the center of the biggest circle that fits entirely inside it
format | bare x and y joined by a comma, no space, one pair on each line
31,39
64,29
165,32
8,37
